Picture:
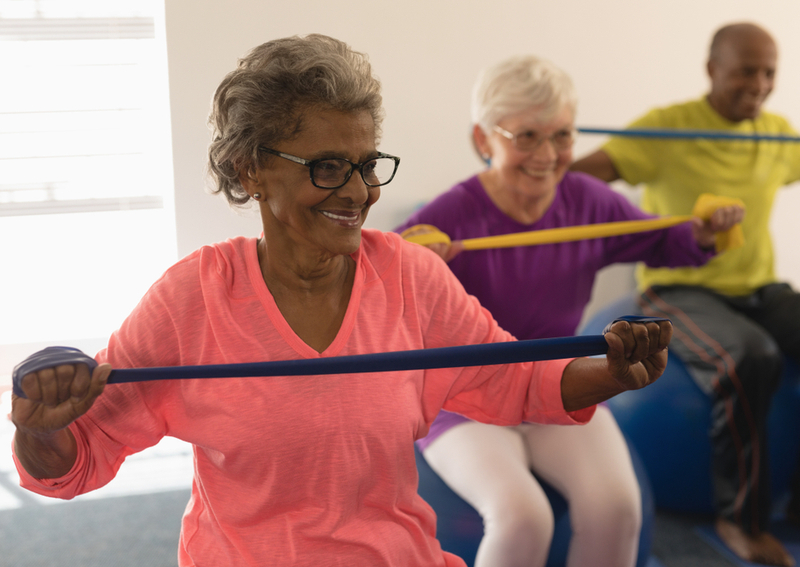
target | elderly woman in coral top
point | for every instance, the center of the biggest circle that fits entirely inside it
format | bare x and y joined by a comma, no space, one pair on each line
314,470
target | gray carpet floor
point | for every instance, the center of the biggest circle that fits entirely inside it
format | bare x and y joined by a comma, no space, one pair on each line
142,531
129,531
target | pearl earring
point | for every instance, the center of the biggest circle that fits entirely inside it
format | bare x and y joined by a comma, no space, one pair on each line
256,196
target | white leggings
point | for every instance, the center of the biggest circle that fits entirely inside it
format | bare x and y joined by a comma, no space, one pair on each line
489,467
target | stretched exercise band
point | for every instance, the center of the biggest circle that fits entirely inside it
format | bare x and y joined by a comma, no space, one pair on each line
704,207
680,133
445,357
547,236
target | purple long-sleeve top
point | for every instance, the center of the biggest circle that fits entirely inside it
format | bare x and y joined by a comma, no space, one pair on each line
541,291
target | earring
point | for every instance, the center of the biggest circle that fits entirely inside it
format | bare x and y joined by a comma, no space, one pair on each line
257,196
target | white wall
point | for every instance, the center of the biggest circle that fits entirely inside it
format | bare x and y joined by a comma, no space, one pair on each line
625,56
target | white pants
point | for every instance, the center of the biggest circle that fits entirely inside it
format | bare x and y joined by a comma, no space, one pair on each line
489,467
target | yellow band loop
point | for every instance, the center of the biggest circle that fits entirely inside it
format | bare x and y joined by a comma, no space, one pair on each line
425,234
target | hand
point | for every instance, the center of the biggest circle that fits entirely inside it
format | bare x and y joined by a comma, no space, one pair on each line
721,220
57,397
637,353
445,250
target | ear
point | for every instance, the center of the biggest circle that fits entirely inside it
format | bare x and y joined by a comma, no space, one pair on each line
249,179
710,67
480,142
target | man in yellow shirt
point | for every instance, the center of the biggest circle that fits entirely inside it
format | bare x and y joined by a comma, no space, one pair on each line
733,319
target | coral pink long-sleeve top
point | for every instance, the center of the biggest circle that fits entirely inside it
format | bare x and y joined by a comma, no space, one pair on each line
305,470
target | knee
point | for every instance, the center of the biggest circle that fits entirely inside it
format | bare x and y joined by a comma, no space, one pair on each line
761,346
762,361
615,512
520,521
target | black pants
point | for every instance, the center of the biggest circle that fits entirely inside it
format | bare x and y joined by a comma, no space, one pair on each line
732,347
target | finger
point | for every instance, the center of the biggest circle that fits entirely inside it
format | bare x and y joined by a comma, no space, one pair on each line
665,334
717,219
64,376
720,220
641,338
653,337
30,385
48,384
97,384
727,217
616,346
79,386
623,330
730,217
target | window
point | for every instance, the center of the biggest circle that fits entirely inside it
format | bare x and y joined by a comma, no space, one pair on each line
86,215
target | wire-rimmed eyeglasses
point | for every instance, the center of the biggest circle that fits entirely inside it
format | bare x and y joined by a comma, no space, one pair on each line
332,173
529,140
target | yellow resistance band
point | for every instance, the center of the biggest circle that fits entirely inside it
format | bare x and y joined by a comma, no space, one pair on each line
704,207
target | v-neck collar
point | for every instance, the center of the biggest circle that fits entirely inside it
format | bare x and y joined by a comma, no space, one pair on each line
280,323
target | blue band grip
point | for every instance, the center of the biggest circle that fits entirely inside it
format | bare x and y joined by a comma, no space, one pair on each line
49,357
446,357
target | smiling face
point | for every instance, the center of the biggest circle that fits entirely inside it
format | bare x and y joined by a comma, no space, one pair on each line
527,176
742,72
301,218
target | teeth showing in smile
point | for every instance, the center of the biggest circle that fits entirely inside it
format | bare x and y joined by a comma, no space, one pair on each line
347,218
538,172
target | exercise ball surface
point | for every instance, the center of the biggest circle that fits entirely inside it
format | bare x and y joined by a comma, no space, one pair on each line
669,421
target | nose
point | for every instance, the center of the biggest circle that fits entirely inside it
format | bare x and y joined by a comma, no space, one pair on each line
762,82
355,190
545,149
766,82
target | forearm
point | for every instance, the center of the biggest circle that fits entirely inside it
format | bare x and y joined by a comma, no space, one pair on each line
586,382
46,456
597,164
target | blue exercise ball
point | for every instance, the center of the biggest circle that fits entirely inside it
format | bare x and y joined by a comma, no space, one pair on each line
669,422
459,527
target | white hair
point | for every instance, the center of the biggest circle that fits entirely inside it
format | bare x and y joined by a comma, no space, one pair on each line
517,84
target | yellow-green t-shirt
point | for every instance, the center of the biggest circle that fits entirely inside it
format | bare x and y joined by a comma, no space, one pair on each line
675,172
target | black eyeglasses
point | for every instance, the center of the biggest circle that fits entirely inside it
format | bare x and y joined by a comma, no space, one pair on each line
332,173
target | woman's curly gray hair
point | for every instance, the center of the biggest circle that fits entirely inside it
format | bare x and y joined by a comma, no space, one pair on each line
263,101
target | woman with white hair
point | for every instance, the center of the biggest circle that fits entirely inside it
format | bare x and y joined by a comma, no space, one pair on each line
523,113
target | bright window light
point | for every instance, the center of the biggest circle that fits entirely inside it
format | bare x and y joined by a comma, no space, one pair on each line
86,186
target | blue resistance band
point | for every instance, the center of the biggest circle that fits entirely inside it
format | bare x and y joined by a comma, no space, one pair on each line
445,357
679,133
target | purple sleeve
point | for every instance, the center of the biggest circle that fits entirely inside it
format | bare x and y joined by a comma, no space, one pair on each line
671,247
